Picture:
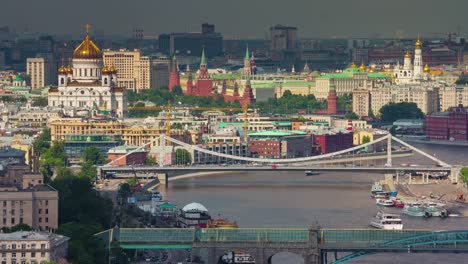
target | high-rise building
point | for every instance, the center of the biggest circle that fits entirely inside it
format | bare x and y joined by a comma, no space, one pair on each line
134,71
192,43
42,70
452,96
283,38
361,102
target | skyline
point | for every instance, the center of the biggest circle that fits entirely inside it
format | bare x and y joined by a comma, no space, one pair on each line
240,19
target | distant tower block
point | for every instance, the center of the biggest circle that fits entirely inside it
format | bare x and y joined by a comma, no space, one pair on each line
332,101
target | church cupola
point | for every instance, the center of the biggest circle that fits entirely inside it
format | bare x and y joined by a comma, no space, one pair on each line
106,76
62,75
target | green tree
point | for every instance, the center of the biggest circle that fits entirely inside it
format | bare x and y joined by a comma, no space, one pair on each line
371,113
345,103
88,170
42,142
93,155
183,156
52,159
150,161
352,116
464,173
83,246
18,227
40,101
124,190
177,90
408,110
365,139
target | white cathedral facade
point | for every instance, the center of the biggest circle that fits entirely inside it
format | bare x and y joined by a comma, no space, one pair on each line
88,84
411,73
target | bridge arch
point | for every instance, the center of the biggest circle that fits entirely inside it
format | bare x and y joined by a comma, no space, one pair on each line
426,242
286,257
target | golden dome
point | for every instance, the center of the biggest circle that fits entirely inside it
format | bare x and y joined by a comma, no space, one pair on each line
69,69
87,49
407,55
353,66
112,69
371,70
62,70
362,67
426,69
105,70
418,43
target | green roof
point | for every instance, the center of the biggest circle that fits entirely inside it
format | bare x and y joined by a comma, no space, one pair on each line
263,85
18,78
377,75
282,123
224,124
277,133
167,206
340,75
225,76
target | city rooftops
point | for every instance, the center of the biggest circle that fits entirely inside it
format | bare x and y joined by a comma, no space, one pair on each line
11,152
278,133
32,236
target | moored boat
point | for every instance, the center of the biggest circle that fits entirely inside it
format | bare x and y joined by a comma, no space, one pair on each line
384,202
415,211
376,187
311,173
398,203
387,221
434,211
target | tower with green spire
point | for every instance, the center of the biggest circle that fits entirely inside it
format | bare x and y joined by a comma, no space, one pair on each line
203,71
247,66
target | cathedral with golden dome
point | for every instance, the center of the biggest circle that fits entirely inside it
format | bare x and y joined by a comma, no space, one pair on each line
411,73
87,84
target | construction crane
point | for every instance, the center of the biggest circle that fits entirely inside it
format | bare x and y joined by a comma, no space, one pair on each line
197,108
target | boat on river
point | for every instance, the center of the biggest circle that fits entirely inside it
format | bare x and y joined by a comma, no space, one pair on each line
435,211
312,173
415,211
384,202
376,187
387,221
398,203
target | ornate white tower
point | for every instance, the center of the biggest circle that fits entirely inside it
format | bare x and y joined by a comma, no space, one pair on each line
407,61
418,61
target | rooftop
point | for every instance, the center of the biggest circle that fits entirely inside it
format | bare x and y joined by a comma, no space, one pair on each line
31,236
277,133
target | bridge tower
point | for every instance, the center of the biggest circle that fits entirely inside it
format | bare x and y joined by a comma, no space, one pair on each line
389,150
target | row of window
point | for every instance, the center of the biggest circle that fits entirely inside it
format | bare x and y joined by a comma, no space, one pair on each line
22,246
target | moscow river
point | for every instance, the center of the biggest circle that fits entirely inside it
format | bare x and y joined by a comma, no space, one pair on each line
290,199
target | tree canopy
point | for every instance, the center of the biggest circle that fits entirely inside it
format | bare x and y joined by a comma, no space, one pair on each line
290,104
183,156
93,155
394,111
352,116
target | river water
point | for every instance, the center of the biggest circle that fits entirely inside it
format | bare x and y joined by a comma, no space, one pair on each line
331,199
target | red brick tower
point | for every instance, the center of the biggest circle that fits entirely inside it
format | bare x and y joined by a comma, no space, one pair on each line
248,96
332,101
174,77
204,86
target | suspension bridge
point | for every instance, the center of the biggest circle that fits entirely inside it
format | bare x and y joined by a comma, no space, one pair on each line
343,160
315,245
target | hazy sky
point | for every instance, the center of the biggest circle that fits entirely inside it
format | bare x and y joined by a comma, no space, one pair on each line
239,18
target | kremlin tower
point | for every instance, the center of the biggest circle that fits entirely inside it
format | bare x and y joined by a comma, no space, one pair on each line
418,61
332,101
247,66
174,77
248,96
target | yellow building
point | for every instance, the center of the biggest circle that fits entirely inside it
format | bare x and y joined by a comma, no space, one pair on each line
133,135
136,72
452,97
25,145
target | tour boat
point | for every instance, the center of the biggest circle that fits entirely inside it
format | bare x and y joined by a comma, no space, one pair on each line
387,221
311,173
380,196
434,211
398,203
415,211
376,187
384,202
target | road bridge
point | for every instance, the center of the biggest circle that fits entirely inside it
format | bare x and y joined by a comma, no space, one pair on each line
313,244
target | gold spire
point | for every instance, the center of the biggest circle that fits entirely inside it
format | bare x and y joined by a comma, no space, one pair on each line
353,66
362,67
62,69
407,55
69,67
105,70
87,49
112,69
426,69
418,43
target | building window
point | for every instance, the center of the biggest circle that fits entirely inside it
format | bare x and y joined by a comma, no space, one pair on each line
43,246
43,254
40,211
23,255
40,219
12,221
33,254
